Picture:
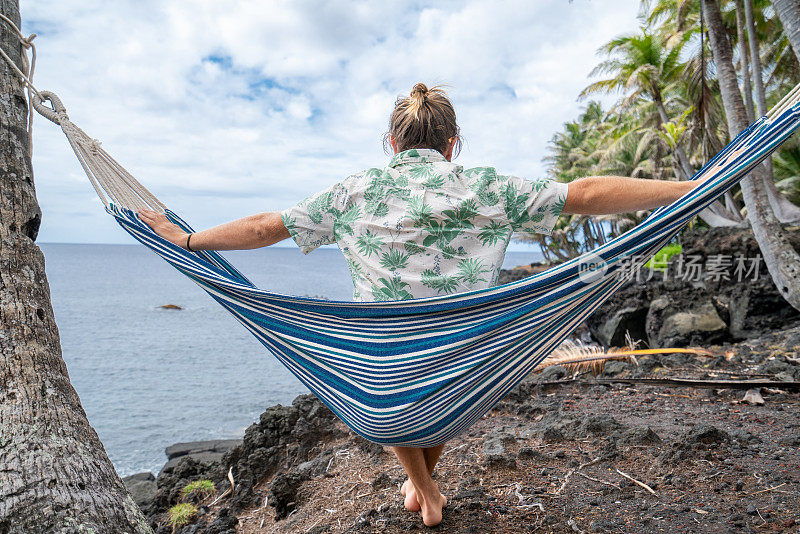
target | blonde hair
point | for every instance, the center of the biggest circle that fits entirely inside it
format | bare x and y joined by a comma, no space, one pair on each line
423,119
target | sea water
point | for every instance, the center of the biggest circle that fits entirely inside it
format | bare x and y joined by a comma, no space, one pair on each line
149,377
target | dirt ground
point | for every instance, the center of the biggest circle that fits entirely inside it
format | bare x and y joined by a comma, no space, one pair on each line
584,457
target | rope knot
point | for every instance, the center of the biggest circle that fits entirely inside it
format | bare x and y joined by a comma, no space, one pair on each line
27,42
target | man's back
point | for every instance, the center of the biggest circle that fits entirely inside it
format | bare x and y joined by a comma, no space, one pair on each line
423,226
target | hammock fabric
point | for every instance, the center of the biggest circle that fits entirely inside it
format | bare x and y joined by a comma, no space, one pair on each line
419,372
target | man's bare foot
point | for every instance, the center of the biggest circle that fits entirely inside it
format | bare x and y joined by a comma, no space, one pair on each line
431,509
408,491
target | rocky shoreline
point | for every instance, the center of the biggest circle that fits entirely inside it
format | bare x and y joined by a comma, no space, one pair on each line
562,453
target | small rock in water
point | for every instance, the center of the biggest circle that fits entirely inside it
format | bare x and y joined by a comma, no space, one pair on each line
753,396
170,307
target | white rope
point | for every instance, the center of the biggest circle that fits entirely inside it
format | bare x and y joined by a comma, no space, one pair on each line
110,180
26,73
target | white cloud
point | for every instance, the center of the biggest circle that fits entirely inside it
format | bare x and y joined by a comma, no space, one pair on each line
223,109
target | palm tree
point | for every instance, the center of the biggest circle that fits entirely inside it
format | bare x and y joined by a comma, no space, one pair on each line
646,67
56,474
787,171
783,67
784,210
573,151
782,261
788,12
744,60
643,66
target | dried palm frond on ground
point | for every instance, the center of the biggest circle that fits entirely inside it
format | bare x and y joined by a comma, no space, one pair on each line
577,357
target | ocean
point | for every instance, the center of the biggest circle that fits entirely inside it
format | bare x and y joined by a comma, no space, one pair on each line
149,377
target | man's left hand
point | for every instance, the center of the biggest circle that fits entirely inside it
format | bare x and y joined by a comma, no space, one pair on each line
163,227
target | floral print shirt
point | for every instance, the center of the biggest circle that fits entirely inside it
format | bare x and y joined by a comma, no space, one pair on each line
423,226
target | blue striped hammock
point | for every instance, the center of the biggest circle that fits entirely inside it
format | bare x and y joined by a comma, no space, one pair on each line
419,372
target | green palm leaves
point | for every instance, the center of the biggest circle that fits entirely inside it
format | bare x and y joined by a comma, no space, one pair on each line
394,260
427,174
469,271
382,186
413,248
441,283
515,204
289,222
445,231
481,188
391,289
641,63
343,224
318,206
558,206
493,233
419,211
369,243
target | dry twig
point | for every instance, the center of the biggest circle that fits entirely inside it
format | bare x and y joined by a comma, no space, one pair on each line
606,482
228,491
642,484
768,489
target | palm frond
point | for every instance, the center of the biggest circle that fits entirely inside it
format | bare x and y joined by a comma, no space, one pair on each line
578,357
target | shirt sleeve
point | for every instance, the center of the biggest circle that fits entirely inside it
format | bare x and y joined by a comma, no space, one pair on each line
533,206
311,221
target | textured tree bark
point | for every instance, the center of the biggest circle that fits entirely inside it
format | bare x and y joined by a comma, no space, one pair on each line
55,475
717,215
789,13
784,210
744,62
781,259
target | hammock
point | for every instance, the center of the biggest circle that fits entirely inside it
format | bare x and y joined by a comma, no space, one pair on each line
419,372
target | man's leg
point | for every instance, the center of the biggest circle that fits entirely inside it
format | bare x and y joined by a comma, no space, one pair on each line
432,455
427,492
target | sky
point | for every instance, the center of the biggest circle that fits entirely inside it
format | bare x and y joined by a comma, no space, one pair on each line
224,109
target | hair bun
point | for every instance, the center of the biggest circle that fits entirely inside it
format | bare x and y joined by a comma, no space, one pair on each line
419,89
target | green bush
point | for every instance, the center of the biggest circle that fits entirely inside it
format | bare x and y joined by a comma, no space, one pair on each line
181,515
661,258
199,488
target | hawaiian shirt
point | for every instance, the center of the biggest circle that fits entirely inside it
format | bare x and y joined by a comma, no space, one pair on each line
423,226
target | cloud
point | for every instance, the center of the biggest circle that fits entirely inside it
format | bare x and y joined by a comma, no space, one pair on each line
224,109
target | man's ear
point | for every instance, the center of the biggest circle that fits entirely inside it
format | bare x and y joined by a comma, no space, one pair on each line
393,142
448,153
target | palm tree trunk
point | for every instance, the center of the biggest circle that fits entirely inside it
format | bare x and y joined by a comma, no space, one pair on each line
56,476
785,211
715,215
755,59
744,62
684,166
781,259
789,13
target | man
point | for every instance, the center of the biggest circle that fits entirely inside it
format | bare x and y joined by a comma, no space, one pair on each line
424,226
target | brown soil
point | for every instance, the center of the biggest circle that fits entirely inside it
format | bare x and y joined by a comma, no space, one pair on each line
548,459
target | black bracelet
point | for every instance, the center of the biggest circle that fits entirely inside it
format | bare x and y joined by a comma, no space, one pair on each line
188,237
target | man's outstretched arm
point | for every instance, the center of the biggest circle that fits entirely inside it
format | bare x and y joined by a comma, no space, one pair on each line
601,195
255,231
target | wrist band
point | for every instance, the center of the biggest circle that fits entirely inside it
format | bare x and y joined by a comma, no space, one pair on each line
188,237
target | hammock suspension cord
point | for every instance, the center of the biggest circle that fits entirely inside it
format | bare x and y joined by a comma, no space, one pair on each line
26,72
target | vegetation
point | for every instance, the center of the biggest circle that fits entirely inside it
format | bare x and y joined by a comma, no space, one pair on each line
181,515
669,118
660,259
199,489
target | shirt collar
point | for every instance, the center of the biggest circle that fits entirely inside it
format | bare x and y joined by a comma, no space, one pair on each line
416,155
